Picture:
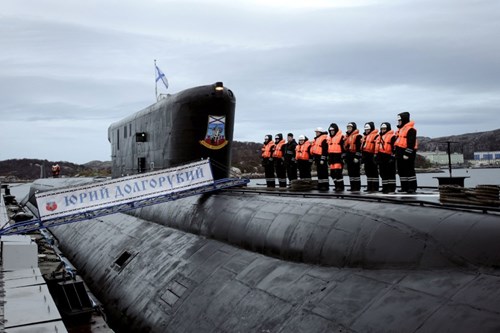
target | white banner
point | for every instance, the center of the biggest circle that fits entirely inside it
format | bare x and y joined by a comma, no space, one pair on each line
79,199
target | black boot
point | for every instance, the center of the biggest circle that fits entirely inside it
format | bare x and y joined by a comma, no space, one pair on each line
355,186
323,187
404,186
339,185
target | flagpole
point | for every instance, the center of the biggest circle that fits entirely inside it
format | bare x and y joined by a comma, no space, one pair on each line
156,83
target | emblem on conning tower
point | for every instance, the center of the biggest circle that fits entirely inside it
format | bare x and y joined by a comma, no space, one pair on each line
216,134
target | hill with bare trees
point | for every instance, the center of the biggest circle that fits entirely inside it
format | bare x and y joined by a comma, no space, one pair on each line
245,157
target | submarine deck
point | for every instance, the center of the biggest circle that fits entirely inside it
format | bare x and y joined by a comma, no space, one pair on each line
252,259
425,196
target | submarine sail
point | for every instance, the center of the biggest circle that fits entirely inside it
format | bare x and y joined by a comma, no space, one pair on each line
194,124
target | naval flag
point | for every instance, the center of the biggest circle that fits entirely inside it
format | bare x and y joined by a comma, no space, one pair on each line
161,76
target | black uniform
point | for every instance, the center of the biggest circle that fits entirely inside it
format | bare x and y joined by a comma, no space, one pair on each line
352,145
279,161
304,165
368,157
267,162
290,162
405,156
321,163
386,160
335,158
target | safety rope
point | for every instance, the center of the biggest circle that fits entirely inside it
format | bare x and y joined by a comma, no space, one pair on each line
217,165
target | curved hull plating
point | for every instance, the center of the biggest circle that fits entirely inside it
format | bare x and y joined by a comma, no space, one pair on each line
262,263
228,263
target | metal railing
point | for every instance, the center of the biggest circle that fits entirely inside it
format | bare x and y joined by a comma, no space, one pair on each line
36,224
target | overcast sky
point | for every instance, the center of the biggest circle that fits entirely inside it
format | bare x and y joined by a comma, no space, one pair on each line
69,68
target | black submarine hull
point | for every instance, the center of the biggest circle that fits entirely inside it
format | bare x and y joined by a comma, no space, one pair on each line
227,262
194,124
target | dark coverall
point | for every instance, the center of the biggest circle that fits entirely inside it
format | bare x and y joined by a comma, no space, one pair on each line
290,162
279,160
335,153
385,159
321,163
353,159
406,153
267,161
304,160
368,147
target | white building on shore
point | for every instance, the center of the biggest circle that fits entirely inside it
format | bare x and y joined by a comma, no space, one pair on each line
441,157
483,158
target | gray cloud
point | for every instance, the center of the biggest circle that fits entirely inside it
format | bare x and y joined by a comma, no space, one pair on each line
68,70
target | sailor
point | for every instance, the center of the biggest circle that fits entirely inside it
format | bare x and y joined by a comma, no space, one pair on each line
267,160
368,156
290,162
335,150
319,152
279,159
352,147
384,149
56,169
405,150
303,157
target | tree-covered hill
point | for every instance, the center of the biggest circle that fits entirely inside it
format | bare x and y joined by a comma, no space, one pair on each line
465,144
245,156
29,169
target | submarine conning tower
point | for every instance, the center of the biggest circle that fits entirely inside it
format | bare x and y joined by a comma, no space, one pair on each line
193,124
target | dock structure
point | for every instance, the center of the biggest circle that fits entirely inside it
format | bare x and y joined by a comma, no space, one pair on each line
29,302
25,301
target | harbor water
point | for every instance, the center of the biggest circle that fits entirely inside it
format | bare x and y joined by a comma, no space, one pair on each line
487,176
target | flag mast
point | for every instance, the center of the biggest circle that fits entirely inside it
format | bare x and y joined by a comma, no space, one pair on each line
156,83
159,76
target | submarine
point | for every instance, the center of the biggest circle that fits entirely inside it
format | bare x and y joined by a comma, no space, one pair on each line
252,260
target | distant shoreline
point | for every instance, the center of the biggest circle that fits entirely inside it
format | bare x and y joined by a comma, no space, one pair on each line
492,166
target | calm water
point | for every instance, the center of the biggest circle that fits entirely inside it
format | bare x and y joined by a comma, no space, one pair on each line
477,177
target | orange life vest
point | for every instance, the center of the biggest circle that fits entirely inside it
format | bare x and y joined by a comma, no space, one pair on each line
56,169
278,152
384,143
334,143
402,134
302,151
350,141
368,145
316,148
267,149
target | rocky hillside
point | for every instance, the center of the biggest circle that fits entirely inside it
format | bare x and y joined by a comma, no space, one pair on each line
245,156
466,144
29,169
